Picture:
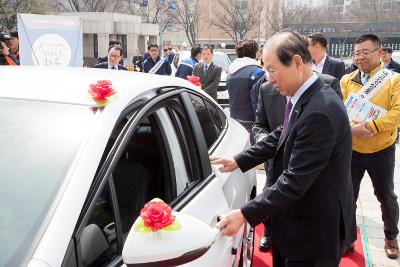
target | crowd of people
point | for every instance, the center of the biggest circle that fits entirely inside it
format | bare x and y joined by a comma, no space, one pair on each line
291,101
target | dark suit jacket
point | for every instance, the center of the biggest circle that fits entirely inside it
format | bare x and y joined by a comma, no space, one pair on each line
104,65
334,67
311,200
210,79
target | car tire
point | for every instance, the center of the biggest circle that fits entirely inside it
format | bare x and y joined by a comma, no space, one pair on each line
247,251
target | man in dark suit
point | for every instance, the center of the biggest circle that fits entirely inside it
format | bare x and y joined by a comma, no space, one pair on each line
269,115
310,202
114,56
104,59
321,62
386,57
208,72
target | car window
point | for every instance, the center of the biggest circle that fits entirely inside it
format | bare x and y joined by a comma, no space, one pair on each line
210,129
217,115
39,141
97,245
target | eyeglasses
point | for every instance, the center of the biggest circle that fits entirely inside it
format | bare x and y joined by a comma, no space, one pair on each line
153,50
364,53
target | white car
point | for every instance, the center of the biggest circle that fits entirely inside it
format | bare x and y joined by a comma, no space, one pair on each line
220,59
75,176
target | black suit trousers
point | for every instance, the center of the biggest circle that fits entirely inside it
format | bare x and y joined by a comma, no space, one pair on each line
380,167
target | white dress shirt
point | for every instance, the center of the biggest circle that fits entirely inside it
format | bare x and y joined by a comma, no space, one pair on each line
296,96
318,68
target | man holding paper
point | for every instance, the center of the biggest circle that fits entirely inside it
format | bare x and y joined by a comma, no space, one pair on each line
372,100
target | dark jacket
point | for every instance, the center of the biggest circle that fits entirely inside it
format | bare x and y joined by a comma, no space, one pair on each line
104,65
138,61
334,67
311,200
210,79
393,66
270,112
186,68
165,68
239,83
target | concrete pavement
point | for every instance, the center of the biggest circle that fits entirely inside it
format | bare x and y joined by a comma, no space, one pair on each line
368,217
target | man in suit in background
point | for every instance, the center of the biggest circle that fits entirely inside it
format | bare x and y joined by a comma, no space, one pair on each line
310,202
208,72
321,62
114,56
386,57
269,115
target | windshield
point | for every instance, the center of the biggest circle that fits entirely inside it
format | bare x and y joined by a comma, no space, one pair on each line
38,141
221,60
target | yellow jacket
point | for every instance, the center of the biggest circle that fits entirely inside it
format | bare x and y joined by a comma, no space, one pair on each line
388,97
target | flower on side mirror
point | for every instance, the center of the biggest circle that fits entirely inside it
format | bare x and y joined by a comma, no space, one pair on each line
156,215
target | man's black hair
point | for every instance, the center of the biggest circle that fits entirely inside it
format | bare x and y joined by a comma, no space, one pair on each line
113,42
209,48
318,37
152,45
246,48
387,49
116,47
195,51
369,37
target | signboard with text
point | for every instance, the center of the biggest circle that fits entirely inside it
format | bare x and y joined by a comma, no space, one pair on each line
50,41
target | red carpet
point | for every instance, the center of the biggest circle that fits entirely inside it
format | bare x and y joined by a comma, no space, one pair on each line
354,259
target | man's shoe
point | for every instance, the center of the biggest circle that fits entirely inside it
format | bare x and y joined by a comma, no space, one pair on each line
391,248
265,243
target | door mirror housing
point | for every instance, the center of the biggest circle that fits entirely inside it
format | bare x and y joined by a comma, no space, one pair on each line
169,248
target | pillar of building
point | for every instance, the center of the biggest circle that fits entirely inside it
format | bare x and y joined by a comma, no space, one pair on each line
153,39
142,44
102,43
131,46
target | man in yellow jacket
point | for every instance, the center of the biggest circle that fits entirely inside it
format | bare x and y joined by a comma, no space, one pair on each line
373,142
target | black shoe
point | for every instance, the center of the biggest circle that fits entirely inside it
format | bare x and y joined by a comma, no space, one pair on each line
265,243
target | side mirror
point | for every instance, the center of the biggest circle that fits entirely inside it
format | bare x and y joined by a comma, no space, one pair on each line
169,248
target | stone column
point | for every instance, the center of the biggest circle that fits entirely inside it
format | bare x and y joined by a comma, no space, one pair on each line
102,43
131,46
153,39
142,45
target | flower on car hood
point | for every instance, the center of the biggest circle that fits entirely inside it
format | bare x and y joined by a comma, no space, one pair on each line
194,79
101,91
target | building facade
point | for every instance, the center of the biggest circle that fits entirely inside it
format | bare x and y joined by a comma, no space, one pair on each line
99,28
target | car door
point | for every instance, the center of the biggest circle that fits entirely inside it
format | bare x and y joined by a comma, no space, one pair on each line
161,132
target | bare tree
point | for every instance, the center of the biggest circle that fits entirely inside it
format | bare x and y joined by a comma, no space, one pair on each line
10,8
83,5
152,12
186,18
236,20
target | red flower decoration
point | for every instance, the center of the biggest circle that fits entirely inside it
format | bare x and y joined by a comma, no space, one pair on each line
101,91
194,79
157,215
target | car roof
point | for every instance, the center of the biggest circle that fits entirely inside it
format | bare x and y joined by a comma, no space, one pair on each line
70,85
